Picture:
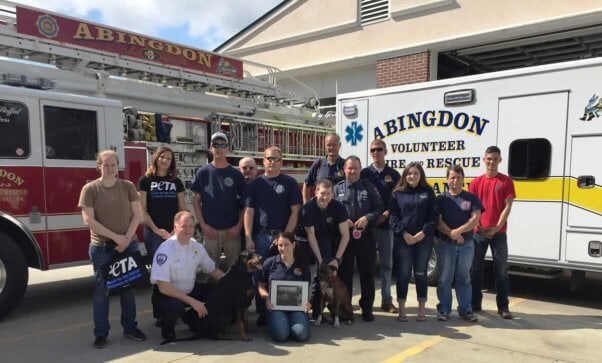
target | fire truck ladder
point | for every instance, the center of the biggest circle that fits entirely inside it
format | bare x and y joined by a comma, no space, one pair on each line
89,61
251,136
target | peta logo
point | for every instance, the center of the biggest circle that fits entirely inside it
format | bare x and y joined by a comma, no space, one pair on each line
123,266
163,186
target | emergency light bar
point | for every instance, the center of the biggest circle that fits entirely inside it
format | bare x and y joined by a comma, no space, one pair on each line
27,81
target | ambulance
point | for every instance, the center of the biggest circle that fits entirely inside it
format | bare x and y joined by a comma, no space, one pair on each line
547,122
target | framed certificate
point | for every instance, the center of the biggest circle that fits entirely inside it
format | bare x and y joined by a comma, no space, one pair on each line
289,295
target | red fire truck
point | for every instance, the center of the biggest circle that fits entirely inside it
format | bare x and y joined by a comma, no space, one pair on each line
70,89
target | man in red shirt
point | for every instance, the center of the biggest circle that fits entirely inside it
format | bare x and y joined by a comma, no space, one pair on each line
496,192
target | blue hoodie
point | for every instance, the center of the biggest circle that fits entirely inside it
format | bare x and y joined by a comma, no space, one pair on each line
413,210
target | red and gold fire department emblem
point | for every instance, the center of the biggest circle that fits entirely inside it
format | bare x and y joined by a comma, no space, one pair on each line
47,26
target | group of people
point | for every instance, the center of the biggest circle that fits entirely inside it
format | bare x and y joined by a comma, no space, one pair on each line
340,216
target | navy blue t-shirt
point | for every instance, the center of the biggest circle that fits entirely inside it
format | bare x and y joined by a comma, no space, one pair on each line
272,199
456,210
320,169
384,181
326,224
275,269
222,192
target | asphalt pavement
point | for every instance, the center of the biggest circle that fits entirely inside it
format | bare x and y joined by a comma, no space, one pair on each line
53,323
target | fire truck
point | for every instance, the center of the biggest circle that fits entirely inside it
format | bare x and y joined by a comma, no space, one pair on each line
70,89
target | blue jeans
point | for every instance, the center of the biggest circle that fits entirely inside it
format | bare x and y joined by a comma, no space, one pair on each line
453,262
499,251
285,324
384,240
102,256
416,257
152,242
263,241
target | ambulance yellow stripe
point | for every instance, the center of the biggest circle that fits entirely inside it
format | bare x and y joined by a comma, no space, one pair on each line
588,199
549,190
553,189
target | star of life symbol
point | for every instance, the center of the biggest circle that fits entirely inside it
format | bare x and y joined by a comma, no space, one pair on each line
354,133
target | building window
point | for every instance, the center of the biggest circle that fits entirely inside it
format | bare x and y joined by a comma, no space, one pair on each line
530,159
71,134
373,11
14,130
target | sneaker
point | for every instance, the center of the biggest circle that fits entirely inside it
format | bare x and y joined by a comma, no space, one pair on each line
469,316
100,343
389,308
442,317
136,335
261,321
505,314
367,316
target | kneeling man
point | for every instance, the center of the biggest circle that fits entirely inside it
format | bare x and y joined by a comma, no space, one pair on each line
174,271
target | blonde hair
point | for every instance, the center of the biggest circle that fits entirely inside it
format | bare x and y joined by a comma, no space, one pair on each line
181,214
103,155
272,148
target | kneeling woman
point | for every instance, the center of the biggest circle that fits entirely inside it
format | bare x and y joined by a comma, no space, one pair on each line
286,265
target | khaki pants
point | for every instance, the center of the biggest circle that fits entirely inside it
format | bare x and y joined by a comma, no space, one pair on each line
231,249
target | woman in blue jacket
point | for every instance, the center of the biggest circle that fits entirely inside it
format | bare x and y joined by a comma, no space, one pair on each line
413,220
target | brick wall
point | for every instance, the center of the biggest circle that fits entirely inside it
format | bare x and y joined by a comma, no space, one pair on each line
413,68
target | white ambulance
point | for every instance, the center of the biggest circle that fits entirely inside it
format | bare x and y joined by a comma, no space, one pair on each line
545,119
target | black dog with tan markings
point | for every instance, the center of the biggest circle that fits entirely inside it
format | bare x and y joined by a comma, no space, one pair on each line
227,303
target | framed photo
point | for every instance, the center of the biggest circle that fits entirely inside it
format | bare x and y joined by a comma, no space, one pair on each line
289,295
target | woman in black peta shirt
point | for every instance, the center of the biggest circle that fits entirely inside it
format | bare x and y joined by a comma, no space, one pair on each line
161,196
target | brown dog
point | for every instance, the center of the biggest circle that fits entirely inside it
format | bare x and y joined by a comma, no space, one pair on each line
334,295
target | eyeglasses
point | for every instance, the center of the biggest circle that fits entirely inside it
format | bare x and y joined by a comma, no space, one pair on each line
376,149
273,159
247,168
219,146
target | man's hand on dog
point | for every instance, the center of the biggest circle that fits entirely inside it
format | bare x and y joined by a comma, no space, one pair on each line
200,308
334,263
250,245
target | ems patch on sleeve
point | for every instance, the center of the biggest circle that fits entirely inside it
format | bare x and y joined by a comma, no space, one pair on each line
161,258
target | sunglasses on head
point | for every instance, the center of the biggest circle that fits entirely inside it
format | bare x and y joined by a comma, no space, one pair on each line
219,146
376,149
273,159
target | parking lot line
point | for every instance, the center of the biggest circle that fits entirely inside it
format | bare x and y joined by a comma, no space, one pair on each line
65,328
425,344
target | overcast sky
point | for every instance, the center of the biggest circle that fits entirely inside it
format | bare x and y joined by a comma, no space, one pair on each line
203,24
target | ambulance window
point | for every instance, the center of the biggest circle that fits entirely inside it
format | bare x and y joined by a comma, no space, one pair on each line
14,130
530,159
70,133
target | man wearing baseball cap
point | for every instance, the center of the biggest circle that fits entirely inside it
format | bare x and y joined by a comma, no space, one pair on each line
218,195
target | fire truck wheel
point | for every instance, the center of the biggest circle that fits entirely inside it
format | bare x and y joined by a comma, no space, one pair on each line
13,274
